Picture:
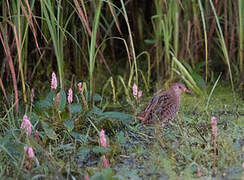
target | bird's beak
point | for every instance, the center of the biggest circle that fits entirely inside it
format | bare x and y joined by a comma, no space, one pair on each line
187,90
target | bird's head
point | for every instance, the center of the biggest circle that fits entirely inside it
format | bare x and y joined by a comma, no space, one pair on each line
178,88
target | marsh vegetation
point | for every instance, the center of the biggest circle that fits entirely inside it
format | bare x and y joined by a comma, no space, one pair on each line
67,73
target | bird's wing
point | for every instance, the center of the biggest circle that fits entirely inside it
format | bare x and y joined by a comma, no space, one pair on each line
145,114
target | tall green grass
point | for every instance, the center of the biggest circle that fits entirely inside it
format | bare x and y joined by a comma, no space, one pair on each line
223,45
166,29
186,76
157,27
19,25
205,39
82,41
56,23
92,57
132,49
241,33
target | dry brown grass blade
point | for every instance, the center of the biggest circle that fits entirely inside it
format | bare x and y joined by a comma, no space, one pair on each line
84,10
29,17
225,23
213,26
115,19
38,27
19,47
3,89
11,65
8,7
188,34
82,17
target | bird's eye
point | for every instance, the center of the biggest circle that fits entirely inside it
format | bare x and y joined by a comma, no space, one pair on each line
180,87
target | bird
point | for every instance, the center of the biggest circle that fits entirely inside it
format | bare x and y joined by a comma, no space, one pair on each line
163,106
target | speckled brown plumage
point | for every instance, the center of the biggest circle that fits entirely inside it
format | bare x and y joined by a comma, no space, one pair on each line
164,106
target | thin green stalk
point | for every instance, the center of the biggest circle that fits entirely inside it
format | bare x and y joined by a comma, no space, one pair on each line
92,56
20,29
241,32
205,40
176,31
157,27
196,31
120,78
18,39
212,90
54,22
111,82
223,46
131,41
93,125
167,32
146,80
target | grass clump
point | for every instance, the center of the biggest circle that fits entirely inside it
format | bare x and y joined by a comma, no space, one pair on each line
66,140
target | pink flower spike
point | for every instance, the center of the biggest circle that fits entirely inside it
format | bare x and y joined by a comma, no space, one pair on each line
134,88
80,86
70,96
87,177
26,124
214,126
30,152
105,161
54,83
243,165
103,140
199,174
139,94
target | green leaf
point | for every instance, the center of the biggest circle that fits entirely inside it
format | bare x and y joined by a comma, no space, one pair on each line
95,110
83,154
121,138
199,80
188,67
64,147
13,149
199,66
124,118
69,125
79,137
34,118
49,131
47,102
97,97
149,41
106,174
75,108
63,100
8,135
99,149
126,173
